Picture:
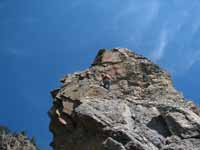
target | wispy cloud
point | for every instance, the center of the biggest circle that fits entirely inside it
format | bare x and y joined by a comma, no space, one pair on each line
140,17
193,59
151,11
158,53
195,27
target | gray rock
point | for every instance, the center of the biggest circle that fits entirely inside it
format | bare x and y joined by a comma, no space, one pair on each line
141,111
16,142
182,122
111,144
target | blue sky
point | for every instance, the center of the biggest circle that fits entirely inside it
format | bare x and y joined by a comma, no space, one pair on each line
41,41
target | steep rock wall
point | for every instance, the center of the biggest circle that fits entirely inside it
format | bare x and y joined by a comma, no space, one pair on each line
141,111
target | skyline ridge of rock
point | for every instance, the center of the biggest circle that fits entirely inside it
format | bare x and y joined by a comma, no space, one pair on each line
141,111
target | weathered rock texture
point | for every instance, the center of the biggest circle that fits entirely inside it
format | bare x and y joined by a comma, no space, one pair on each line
141,111
16,142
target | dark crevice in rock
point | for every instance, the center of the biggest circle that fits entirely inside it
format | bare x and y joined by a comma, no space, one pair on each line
119,136
111,144
109,63
99,57
158,124
88,124
54,93
134,145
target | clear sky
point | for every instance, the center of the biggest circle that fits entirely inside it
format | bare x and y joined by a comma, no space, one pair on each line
42,40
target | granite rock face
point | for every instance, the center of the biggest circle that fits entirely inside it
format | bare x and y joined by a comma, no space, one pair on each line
141,111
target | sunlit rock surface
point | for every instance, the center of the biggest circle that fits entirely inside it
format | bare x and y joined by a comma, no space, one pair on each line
16,142
141,111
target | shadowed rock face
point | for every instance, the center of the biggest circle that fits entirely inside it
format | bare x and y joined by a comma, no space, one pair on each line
141,111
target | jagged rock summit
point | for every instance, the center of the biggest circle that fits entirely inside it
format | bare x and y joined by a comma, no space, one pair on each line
141,111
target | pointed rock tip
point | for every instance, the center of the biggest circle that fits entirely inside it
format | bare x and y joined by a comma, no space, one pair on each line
113,55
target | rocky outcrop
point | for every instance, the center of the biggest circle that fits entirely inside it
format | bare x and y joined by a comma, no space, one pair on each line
141,110
16,142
